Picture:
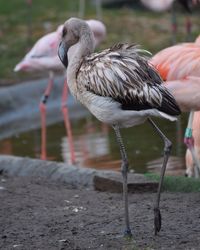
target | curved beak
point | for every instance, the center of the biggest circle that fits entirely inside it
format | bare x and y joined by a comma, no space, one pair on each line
62,53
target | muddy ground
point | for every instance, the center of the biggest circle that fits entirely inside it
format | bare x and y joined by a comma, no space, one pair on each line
37,214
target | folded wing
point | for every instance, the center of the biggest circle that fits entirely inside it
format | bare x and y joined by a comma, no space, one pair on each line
123,73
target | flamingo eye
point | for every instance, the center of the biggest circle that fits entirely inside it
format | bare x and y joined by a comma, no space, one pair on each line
64,32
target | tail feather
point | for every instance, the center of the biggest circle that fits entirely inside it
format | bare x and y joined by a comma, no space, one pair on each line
169,117
169,105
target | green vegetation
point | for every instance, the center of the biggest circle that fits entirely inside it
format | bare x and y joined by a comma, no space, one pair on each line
129,25
177,183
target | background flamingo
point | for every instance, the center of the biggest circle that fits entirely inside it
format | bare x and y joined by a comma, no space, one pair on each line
43,58
164,5
159,6
178,63
187,95
186,92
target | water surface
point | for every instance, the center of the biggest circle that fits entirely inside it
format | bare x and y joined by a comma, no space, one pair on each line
95,144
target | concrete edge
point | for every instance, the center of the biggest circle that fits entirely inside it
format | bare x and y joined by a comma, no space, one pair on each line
77,177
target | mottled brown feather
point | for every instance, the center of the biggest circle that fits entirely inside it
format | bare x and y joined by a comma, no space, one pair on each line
123,73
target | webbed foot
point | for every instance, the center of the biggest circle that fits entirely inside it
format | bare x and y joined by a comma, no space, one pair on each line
128,233
157,220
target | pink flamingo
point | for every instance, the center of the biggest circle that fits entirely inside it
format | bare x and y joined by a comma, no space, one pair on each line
178,61
179,66
186,92
187,95
164,5
158,6
43,57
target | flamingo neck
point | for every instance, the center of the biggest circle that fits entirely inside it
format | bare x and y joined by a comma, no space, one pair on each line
76,53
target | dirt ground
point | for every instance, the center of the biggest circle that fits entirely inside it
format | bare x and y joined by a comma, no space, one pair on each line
37,214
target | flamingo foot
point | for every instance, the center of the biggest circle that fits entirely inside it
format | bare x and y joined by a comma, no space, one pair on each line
157,220
128,233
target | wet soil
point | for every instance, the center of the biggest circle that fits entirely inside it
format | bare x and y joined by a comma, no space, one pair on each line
42,215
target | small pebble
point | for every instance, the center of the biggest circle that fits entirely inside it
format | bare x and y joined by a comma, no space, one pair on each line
17,245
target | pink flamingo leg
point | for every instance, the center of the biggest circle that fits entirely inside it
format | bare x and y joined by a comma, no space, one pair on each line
42,106
67,123
189,142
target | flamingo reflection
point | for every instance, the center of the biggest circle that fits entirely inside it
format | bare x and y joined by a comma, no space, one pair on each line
92,148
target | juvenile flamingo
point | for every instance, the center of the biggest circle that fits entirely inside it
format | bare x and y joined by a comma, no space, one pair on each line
119,87
179,63
43,57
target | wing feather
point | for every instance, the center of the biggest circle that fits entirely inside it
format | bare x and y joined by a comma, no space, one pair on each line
123,73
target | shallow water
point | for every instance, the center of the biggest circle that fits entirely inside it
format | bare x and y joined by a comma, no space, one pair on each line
95,144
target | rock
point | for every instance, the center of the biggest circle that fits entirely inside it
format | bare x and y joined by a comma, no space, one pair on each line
113,182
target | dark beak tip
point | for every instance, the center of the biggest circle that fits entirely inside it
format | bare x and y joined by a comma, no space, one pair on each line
62,54
60,51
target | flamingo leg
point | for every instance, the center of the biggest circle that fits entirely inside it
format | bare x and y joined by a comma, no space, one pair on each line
189,142
98,9
42,107
67,123
124,170
188,27
81,8
167,150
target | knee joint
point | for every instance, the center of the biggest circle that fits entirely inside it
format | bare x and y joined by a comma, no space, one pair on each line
168,146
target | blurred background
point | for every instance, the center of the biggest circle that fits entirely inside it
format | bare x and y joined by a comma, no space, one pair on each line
23,22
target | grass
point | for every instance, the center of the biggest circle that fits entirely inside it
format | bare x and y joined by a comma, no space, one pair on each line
125,24
177,183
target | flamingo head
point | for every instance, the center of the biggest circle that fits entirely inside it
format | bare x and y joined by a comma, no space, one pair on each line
74,30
